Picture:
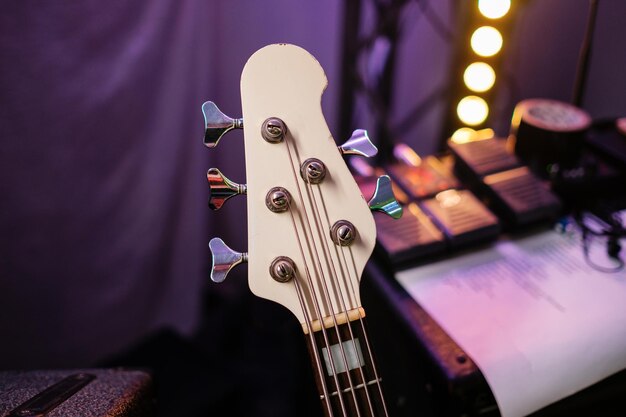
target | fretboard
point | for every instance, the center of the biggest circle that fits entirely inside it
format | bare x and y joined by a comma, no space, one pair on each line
346,375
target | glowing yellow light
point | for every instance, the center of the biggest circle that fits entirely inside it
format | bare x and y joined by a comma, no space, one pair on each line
494,9
486,133
486,41
463,135
467,134
472,110
448,198
479,77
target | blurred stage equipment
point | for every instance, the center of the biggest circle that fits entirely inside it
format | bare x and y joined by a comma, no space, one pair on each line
548,135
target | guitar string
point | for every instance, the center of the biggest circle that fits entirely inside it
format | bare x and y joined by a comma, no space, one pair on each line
354,291
308,322
310,282
377,379
362,323
308,235
327,399
327,344
333,273
341,296
364,330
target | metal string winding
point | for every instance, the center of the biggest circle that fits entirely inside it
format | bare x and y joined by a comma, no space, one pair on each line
333,273
354,291
312,289
369,350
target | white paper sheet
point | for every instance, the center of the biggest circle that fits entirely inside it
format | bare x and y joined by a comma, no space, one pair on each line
536,319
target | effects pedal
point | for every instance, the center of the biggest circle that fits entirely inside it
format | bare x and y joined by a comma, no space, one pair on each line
409,238
520,197
482,157
510,188
462,217
420,177
457,213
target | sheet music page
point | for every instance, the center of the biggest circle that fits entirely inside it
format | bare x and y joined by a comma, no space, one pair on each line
538,321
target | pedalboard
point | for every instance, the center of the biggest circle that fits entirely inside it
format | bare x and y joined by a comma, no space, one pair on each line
520,197
424,180
439,215
462,217
457,213
510,188
482,157
412,236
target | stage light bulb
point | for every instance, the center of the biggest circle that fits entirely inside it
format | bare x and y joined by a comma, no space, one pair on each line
494,9
486,41
472,110
479,77
467,134
463,135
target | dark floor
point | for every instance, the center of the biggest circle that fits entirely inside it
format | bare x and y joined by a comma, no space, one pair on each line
249,358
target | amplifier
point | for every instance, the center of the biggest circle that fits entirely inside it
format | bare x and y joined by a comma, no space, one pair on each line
76,393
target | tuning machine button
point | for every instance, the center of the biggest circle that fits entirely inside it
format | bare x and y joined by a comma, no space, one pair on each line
222,188
273,130
359,144
384,200
283,269
313,171
223,259
343,233
217,124
277,199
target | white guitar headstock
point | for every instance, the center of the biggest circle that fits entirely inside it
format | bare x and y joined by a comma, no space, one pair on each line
310,232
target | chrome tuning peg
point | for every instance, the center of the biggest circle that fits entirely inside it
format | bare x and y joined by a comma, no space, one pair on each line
359,144
384,200
217,124
222,188
223,259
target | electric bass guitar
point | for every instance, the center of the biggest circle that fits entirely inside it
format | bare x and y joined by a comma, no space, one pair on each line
310,231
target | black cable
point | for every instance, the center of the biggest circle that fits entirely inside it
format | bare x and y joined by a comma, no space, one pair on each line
613,234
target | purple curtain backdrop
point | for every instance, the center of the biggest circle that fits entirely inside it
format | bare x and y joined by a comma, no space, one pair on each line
103,226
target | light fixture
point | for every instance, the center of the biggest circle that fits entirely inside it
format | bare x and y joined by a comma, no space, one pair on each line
449,198
494,9
467,134
463,135
479,77
486,41
472,110
475,78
